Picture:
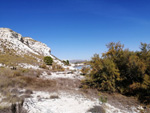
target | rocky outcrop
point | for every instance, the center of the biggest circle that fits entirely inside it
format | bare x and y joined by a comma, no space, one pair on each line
14,43
37,46
23,45
8,33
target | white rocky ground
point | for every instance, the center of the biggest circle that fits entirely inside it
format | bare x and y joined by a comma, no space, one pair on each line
111,109
68,102
67,75
28,66
41,102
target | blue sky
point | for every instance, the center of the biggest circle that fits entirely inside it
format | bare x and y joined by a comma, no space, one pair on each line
76,29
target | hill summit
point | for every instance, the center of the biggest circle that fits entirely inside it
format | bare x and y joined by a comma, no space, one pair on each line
14,49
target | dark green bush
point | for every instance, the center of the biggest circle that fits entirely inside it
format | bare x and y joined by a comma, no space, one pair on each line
66,62
48,60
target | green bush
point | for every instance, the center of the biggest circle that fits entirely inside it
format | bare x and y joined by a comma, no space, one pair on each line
66,62
121,70
85,70
48,60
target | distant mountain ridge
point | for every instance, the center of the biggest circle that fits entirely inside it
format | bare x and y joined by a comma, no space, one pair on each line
77,61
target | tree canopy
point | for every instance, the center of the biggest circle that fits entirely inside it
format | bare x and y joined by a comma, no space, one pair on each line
121,70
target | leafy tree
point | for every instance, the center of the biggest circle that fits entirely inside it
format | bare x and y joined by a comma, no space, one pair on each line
104,73
122,70
48,60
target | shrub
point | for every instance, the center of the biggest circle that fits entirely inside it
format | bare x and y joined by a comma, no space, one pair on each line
43,66
48,60
121,70
37,82
103,99
66,62
17,73
56,67
54,97
85,70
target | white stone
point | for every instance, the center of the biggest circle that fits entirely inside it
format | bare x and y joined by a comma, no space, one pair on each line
66,103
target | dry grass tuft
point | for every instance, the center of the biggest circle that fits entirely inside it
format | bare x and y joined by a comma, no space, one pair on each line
43,66
23,78
37,82
56,67
54,97
17,73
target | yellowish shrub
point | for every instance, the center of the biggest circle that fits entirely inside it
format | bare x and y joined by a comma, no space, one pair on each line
56,67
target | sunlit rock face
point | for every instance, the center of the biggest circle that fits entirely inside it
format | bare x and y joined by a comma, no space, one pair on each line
13,40
37,46
8,33
14,43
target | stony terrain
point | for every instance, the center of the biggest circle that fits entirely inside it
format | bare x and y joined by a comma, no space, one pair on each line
67,97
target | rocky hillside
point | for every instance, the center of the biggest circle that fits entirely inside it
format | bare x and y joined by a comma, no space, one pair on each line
14,49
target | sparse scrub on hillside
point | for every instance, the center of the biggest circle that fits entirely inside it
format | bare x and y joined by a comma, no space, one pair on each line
14,60
56,67
37,83
17,73
32,72
43,66
23,78
11,58
66,62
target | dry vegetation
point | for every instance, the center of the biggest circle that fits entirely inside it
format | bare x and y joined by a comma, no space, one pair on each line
85,70
10,58
23,79
56,67
44,66
121,70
